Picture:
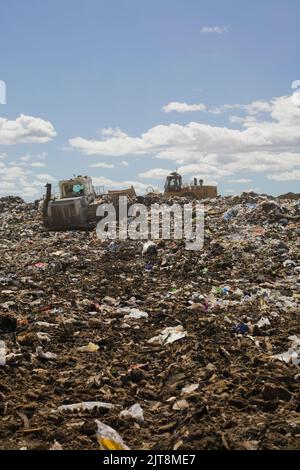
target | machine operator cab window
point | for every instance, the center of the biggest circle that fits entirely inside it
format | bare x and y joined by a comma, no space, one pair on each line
174,182
75,188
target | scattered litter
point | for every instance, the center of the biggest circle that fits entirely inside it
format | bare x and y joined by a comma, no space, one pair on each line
137,366
43,336
264,321
149,248
226,310
108,438
45,355
135,412
169,335
40,265
90,348
136,314
242,329
181,405
2,353
292,354
56,446
188,389
86,406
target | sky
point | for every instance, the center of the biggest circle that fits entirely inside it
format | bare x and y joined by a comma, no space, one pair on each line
126,91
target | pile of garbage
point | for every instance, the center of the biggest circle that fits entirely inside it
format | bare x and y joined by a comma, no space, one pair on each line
118,344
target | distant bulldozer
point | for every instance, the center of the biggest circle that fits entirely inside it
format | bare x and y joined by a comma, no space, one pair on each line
77,203
175,187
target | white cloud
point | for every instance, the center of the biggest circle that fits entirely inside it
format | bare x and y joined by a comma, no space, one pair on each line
254,108
102,181
16,180
25,129
41,156
7,185
38,164
183,107
295,84
13,172
29,191
214,29
124,163
45,177
240,181
102,165
268,144
230,191
33,160
286,176
155,173
112,132
25,158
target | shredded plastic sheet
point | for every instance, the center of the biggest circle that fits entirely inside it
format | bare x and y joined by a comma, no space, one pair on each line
91,347
135,412
108,438
169,335
43,336
45,355
292,354
136,314
85,406
264,321
2,353
188,389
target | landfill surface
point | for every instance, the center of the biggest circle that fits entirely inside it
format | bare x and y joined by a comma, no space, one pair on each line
173,349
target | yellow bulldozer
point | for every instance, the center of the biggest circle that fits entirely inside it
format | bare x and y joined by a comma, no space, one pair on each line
76,205
174,186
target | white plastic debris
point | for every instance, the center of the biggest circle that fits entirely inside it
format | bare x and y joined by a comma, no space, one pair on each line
180,405
2,353
91,347
263,322
43,336
56,446
108,438
149,248
135,412
255,341
136,314
85,406
292,354
295,341
188,389
169,335
45,355
45,324
289,262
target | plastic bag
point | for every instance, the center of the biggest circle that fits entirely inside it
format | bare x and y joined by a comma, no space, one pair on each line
108,438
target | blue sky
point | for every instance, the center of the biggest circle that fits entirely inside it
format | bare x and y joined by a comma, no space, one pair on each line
144,87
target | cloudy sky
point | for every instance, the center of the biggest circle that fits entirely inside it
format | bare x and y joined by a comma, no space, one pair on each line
128,90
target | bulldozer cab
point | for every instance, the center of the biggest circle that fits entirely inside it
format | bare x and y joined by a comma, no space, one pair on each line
173,182
175,187
76,187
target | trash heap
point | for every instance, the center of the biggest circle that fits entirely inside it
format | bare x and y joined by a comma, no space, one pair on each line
111,345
